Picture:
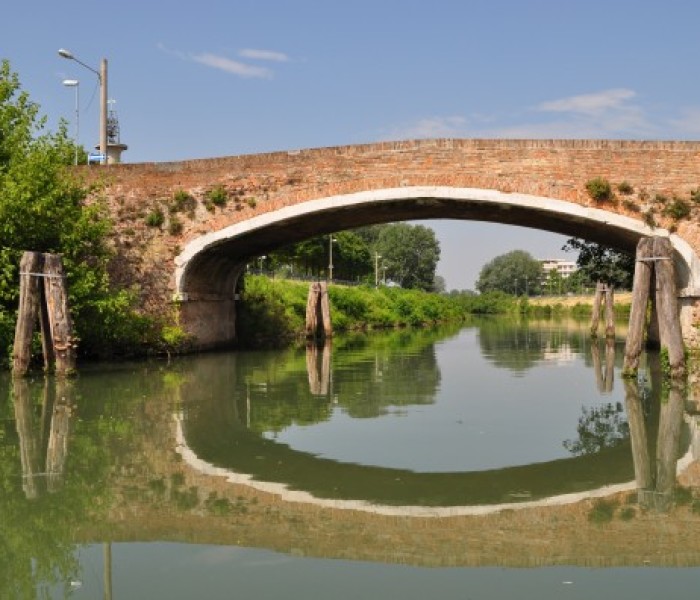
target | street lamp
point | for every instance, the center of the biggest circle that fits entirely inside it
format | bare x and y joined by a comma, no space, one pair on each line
75,84
102,77
262,260
377,256
331,241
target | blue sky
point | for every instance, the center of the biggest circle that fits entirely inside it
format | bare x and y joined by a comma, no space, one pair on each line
218,78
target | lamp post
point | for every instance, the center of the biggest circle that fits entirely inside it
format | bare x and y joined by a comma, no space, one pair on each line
377,256
331,241
262,260
102,77
74,83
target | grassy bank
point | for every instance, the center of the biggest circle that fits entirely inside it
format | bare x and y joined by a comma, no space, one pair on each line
273,311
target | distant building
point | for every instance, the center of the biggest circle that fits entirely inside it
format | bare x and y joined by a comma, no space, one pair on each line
564,267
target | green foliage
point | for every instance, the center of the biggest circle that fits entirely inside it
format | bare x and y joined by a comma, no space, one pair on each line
155,218
599,428
599,189
602,263
183,202
217,196
513,272
273,312
410,254
625,188
43,208
602,511
677,209
174,226
649,217
695,196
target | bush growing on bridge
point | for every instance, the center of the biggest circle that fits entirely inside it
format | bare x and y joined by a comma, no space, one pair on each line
677,209
599,189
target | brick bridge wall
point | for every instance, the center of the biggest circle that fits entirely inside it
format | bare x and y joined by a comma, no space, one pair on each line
258,186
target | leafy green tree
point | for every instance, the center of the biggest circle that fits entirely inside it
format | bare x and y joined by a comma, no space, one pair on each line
602,263
410,254
43,208
351,256
516,273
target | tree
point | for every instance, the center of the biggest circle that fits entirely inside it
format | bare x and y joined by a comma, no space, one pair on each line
602,263
515,272
410,254
43,208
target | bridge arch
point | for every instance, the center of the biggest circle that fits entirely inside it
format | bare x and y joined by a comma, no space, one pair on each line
209,266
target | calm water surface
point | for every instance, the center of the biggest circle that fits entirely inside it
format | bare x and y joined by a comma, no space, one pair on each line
300,473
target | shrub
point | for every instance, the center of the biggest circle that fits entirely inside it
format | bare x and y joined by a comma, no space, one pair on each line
625,188
217,196
630,205
155,218
649,218
677,209
183,202
602,511
252,202
599,189
695,196
175,226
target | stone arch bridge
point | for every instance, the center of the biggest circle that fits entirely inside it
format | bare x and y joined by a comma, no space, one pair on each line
185,230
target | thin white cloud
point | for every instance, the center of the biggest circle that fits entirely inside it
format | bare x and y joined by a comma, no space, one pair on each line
270,55
232,66
590,104
222,63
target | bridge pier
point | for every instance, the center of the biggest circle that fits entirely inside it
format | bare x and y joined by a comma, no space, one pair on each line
209,318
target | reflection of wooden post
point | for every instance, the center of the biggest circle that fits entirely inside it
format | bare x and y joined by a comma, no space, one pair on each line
595,316
57,448
595,356
609,364
29,439
59,317
28,310
318,368
107,569
667,306
670,421
638,310
638,436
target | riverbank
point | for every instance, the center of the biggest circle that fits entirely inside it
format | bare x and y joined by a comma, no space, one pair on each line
273,311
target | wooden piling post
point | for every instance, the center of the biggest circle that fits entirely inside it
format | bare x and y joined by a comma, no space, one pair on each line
47,302
318,312
28,311
312,310
667,306
326,311
638,311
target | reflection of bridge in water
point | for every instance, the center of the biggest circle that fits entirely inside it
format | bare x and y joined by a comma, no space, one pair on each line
539,533
226,448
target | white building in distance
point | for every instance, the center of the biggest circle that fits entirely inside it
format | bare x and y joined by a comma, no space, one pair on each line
564,267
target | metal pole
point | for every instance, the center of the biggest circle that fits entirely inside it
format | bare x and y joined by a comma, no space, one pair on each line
77,119
103,111
376,269
330,258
